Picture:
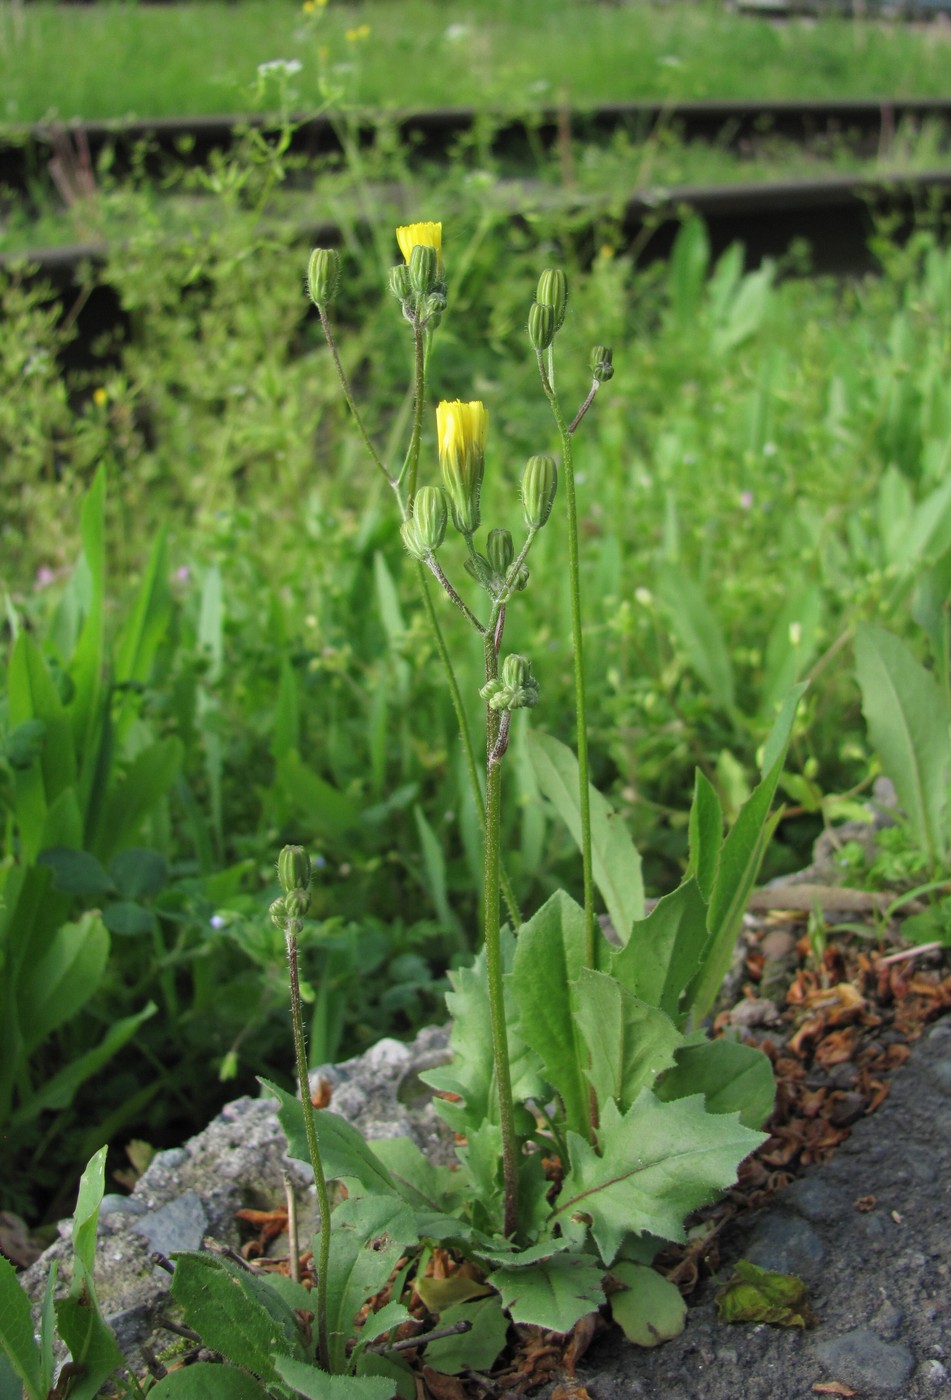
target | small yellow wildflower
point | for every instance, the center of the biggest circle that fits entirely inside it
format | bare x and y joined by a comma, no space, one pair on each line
100,397
461,430
354,36
429,235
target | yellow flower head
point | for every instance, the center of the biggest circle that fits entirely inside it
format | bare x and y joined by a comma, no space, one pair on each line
354,36
429,235
461,430
100,397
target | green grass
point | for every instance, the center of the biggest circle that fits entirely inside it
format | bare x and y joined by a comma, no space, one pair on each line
115,60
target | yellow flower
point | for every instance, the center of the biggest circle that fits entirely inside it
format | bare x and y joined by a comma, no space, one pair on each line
429,235
461,430
100,397
353,36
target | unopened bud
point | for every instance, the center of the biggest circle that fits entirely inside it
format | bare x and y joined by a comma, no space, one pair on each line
553,291
278,912
399,282
293,869
501,551
296,902
602,363
541,325
323,274
539,484
515,689
425,530
423,269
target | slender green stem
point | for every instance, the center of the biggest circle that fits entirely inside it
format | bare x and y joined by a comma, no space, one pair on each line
584,801
436,570
419,376
493,958
351,403
313,1146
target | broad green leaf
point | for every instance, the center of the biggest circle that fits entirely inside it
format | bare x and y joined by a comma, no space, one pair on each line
650,1310
368,1236
235,1313
86,1214
434,865
11,1385
54,987
732,1077
345,1155
48,1329
139,872
129,920
421,1184
315,1384
475,1350
699,634
140,638
16,1333
32,695
660,1162
330,811
740,858
206,1380
554,1293
469,1074
908,725
128,802
91,1343
59,1091
664,951
380,1323
549,956
616,863
706,834
76,872
629,1042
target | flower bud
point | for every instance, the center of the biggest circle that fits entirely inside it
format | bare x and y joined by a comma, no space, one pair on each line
399,282
423,268
278,912
515,689
602,363
296,902
410,236
293,869
501,551
539,484
323,274
553,291
425,531
541,325
461,430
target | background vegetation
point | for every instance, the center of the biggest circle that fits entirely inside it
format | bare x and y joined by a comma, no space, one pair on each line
768,468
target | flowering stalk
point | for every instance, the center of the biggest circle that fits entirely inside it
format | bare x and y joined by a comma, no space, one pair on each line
293,869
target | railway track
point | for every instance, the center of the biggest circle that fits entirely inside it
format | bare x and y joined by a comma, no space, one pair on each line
835,215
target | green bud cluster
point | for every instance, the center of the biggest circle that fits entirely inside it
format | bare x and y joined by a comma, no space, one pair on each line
515,689
547,312
293,876
425,530
323,275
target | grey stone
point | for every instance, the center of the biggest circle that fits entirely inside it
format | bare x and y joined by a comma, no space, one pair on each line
861,1358
788,1244
936,1376
813,1198
940,1075
180,1225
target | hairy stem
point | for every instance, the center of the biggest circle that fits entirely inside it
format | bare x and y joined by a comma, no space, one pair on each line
313,1146
584,801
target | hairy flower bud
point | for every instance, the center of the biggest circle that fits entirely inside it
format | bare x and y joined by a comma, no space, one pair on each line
515,689
541,325
323,274
553,291
425,530
423,269
539,484
602,363
501,551
461,431
293,869
399,282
